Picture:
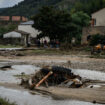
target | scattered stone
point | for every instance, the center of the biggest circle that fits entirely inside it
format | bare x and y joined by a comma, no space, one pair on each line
19,54
91,86
94,102
23,73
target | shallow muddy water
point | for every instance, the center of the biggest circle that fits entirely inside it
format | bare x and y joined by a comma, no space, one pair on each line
23,97
90,74
8,76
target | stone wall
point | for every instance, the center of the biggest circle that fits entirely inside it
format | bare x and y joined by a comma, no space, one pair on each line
87,31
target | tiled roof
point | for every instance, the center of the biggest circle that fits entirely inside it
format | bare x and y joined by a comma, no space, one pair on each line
28,23
22,32
13,18
4,18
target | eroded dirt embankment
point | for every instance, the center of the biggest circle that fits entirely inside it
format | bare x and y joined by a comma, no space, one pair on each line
75,61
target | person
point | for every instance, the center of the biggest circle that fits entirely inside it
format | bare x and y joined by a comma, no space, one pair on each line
73,41
45,44
51,44
57,44
38,43
54,43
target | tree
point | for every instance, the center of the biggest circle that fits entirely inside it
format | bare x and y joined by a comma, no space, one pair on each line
79,6
89,6
5,29
58,24
79,20
55,24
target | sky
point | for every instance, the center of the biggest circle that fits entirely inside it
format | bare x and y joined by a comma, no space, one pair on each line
8,3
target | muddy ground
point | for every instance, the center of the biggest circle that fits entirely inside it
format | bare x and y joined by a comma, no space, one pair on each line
76,60
72,61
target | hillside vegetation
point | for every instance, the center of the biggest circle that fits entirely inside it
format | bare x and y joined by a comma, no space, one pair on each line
31,7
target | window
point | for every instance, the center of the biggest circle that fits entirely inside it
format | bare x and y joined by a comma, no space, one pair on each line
93,22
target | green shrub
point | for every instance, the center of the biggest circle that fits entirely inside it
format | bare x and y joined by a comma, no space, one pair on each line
97,39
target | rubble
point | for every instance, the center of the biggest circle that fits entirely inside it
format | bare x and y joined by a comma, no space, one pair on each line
5,67
53,76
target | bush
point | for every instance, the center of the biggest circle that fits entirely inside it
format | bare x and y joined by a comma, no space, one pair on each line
66,46
1,35
97,39
5,102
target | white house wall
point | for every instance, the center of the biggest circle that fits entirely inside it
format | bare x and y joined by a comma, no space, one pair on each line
29,29
100,17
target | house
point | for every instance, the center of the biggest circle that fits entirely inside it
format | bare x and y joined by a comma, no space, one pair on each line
17,37
98,18
97,26
27,27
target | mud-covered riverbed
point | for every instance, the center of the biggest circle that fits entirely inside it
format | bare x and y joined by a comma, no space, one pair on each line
23,97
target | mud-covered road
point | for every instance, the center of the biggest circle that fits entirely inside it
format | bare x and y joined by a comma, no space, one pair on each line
75,61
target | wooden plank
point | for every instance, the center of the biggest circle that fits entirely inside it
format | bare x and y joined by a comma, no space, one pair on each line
44,78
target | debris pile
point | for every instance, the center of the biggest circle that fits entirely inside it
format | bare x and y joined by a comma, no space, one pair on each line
53,76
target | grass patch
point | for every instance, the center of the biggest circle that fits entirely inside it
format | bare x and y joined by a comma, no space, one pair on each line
50,52
9,46
87,49
23,76
98,56
46,51
6,102
53,52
